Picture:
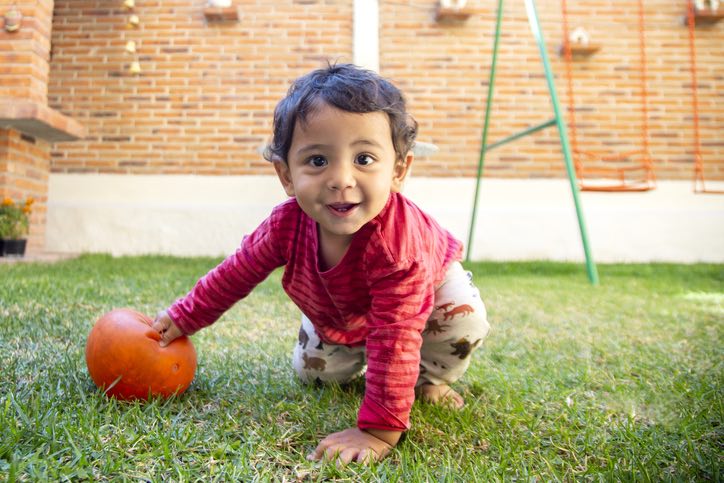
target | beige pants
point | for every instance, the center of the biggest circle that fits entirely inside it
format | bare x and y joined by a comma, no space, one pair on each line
456,327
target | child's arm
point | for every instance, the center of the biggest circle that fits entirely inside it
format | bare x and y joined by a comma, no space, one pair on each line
230,281
354,444
398,313
402,300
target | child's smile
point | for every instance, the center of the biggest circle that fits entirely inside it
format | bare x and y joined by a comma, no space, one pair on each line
343,209
342,168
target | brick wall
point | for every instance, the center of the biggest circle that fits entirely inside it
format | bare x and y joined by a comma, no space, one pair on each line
444,69
203,101
24,54
24,174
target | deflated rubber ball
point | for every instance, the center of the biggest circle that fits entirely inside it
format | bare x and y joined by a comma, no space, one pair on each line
125,359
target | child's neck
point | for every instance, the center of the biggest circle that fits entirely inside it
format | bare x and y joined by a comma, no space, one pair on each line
332,249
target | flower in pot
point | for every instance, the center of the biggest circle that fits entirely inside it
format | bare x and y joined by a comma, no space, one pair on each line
14,225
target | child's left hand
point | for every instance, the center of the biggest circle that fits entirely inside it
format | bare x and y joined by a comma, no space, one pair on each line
351,445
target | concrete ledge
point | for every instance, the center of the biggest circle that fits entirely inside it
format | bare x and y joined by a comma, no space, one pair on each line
517,219
38,120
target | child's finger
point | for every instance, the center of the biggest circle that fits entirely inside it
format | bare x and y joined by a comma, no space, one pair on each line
170,335
318,452
157,326
347,455
160,323
366,456
331,453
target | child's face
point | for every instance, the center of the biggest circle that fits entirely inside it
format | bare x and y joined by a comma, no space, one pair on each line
342,168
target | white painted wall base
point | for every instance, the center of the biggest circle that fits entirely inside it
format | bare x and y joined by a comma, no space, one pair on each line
517,219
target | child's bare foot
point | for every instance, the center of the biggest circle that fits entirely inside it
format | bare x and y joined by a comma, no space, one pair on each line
439,394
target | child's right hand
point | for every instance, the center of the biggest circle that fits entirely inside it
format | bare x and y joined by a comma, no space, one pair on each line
164,325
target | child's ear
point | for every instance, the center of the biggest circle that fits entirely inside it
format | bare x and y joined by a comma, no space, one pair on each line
402,168
285,176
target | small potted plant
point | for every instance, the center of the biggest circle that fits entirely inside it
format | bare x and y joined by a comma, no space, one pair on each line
14,225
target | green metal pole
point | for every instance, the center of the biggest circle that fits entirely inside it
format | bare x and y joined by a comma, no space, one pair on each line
521,134
563,133
484,140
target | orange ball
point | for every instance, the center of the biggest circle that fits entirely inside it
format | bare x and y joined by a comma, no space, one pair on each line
125,359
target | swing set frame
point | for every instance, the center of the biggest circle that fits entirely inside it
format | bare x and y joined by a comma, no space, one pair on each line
557,121
575,169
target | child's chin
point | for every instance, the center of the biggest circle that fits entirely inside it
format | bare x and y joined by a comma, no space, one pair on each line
344,229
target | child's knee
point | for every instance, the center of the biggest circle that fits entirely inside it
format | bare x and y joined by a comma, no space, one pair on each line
308,368
316,367
472,332
479,325
446,352
315,361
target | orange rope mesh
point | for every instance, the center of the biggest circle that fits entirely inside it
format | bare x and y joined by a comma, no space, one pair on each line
691,21
568,53
643,70
643,73
619,181
698,161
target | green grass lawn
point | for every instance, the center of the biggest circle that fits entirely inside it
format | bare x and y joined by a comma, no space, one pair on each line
617,382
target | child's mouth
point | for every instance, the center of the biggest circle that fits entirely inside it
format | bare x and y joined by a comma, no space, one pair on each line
342,208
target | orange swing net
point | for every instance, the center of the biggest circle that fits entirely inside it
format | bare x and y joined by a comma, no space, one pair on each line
638,176
699,186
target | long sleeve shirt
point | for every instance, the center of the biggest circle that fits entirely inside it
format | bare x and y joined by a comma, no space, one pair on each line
379,295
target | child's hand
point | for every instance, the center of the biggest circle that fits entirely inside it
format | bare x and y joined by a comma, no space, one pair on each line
164,325
354,445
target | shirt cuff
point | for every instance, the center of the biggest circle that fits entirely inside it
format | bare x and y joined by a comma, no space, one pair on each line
176,314
375,416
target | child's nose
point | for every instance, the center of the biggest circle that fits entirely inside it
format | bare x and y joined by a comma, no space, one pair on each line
341,176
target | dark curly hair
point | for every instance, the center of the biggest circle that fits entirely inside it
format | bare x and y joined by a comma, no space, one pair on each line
346,87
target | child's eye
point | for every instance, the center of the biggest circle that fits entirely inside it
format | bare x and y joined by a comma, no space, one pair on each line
317,161
364,160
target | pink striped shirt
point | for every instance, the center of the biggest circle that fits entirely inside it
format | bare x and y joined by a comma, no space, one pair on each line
379,295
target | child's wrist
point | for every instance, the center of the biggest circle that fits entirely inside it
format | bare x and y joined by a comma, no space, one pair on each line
389,437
